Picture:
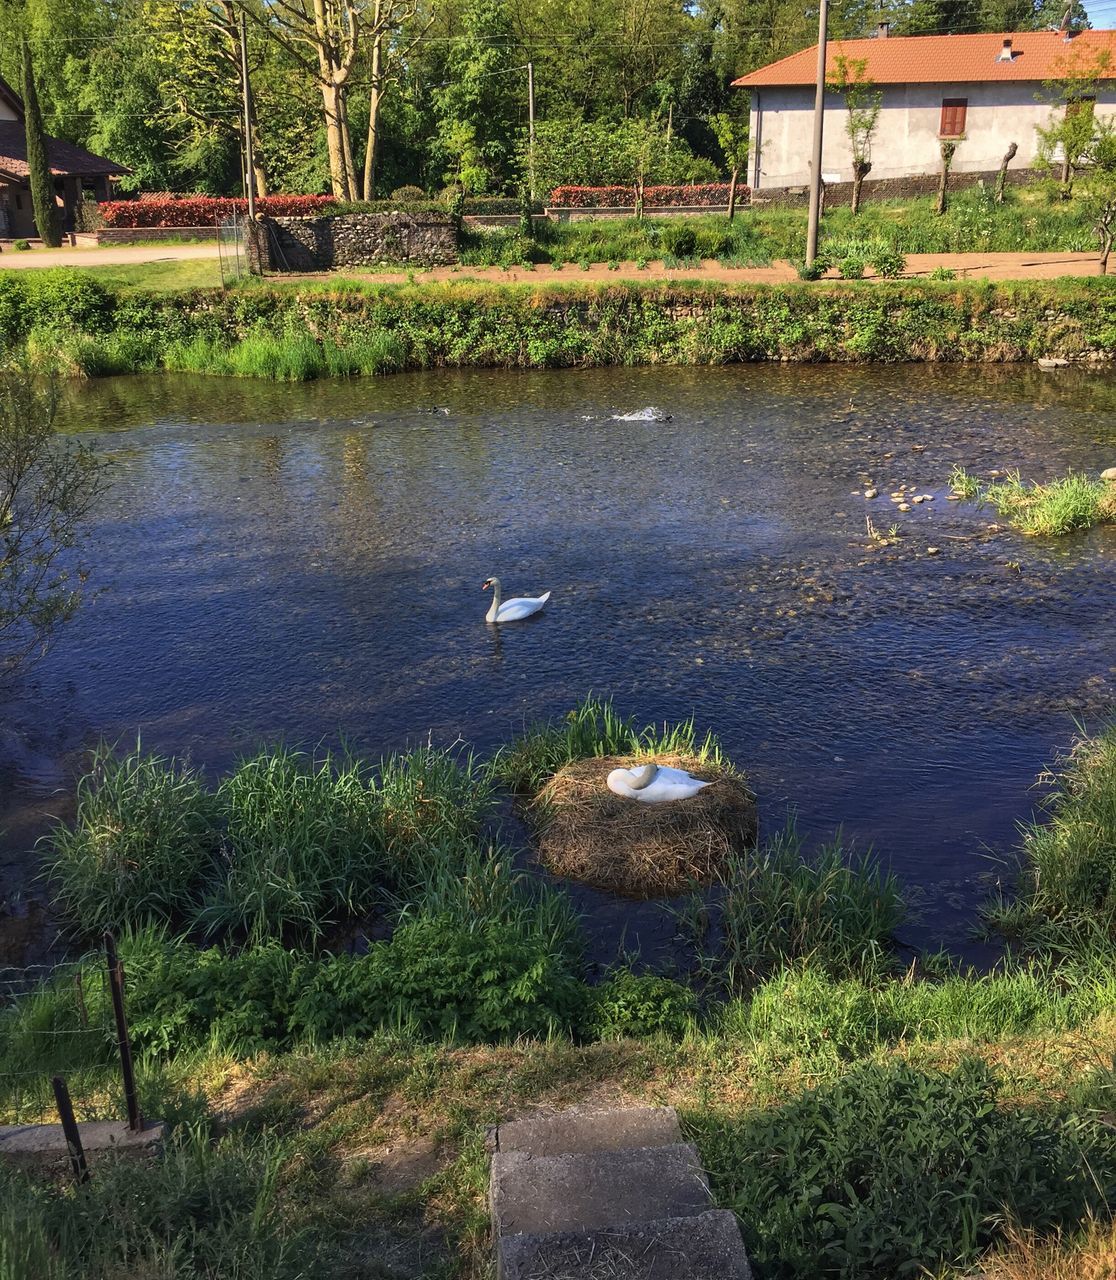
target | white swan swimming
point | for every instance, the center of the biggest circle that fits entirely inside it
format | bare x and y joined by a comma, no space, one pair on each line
512,610
654,783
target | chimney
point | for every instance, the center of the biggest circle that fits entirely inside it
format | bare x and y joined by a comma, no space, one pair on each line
883,30
1005,54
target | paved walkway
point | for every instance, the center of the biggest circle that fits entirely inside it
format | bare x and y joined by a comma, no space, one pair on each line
990,266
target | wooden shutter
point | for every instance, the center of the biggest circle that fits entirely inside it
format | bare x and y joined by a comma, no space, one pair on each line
954,111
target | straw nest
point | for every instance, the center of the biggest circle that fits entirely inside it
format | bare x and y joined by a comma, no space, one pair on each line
640,850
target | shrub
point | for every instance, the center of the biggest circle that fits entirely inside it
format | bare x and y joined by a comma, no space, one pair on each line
851,267
203,211
301,846
21,246
680,241
640,1005
889,263
143,845
943,273
700,195
409,193
811,270
66,298
835,911
891,1172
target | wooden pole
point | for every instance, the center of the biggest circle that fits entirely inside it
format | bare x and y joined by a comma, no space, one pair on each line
249,159
116,985
531,128
70,1129
819,119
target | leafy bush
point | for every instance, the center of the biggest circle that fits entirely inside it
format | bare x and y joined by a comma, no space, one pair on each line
851,267
893,1172
21,246
143,845
811,270
640,1005
679,240
703,195
943,273
408,193
204,211
779,906
889,263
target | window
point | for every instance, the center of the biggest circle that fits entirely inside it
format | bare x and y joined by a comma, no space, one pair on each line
953,117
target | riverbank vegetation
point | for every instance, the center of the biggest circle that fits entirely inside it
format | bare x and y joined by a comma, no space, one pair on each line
1061,506
66,321
329,1102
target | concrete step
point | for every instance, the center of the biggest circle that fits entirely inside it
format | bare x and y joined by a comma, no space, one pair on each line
705,1247
588,1190
576,1130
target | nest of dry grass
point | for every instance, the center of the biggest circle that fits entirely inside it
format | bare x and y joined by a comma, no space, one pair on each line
639,850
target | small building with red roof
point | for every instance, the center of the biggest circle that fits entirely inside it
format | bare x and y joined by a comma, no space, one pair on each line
983,92
74,169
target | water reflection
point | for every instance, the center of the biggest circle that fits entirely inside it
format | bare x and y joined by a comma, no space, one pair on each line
305,562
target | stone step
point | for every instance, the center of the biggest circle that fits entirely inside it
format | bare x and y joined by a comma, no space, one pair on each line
587,1190
705,1247
575,1130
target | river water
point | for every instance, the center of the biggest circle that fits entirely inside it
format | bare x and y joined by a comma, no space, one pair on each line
305,563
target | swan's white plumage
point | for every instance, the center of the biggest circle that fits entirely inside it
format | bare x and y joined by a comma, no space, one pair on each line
666,784
520,607
513,610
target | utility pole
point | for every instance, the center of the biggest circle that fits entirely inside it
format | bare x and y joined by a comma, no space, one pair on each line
531,127
249,166
819,119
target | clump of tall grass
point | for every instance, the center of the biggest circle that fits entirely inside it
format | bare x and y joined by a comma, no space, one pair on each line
832,910
203,1208
289,357
1066,899
143,845
593,728
301,846
1065,505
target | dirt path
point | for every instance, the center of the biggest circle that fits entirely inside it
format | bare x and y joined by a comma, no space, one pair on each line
990,266
109,256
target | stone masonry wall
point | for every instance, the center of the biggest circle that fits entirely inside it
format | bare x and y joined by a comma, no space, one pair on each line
350,240
840,193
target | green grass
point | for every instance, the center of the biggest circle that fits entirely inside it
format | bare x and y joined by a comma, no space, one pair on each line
286,357
831,910
1066,505
186,273
593,728
1066,895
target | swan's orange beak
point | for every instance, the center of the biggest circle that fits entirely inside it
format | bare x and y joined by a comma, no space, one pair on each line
485,585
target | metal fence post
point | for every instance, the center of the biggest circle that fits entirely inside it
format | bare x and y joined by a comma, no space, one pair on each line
116,984
70,1129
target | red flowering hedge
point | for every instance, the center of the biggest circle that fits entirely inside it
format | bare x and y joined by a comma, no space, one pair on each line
203,211
702,195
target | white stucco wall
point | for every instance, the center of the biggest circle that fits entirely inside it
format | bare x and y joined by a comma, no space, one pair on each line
906,139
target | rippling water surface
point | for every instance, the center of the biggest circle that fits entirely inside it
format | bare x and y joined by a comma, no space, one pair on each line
306,563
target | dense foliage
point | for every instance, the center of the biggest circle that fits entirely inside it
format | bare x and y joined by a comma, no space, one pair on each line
699,195
201,211
438,93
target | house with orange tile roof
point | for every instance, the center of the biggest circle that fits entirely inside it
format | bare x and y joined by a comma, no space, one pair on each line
983,92
74,169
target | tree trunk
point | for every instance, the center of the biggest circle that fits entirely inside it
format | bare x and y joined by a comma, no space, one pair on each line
351,192
1001,177
333,140
732,192
861,169
948,148
373,111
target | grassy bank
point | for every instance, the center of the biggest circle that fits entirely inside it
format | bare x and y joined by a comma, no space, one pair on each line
329,1108
68,321
1062,506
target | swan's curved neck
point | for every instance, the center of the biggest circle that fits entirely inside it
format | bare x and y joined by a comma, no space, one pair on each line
490,616
643,777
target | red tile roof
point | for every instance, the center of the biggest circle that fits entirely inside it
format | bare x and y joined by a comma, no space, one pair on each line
65,158
1036,55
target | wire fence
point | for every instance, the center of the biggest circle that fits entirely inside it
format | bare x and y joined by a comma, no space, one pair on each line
231,251
66,1025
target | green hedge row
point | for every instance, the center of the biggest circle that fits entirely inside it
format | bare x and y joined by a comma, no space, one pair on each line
70,319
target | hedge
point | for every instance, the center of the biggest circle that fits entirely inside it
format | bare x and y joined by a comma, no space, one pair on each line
705,196
203,211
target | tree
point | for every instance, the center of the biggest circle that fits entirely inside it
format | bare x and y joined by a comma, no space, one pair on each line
863,102
732,138
46,490
390,18
1065,142
1099,185
949,150
38,163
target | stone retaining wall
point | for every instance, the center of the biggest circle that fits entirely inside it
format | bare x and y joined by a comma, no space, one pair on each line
840,193
142,235
350,240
